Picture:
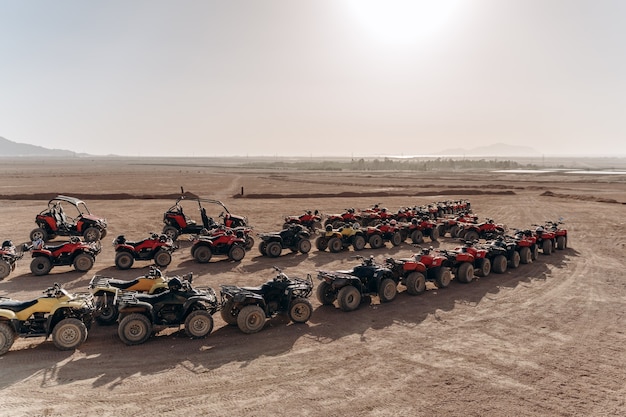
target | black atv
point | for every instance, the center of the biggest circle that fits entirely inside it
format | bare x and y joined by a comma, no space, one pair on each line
179,304
349,287
294,237
502,253
248,307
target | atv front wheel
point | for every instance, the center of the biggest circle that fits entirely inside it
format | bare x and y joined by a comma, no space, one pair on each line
335,245
40,265
465,273
263,248
417,236
134,329
561,242
83,262
443,278
198,324
300,310
69,333
5,268
396,239
415,283
251,319
249,242
236,253
124,260
388,290
376,242
358,243
515,260
229,314
321,243
434,234
38,234
349,298
546,247
471,235
325,293
7,337
485,268
162,258
304,245
525,255
273,249
92,234
499,264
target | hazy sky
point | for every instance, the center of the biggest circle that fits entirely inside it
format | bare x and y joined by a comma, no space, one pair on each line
313,77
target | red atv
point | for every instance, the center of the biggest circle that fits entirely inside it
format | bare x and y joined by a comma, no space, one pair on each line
546,239
8,258
338,220
418,228
454,224
81,255
244,231
157,247
177,221
484,230
559,233
385,232
405,215
54,221
526,245
426,265
312,220
231,244
467,261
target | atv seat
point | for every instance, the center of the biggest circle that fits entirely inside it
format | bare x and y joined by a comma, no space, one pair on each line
256,290
122,285
53,248
153,298
16,306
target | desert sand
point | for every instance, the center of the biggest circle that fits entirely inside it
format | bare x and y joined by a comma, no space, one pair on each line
545,339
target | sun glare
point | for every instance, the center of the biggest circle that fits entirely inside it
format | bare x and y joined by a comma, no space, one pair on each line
402,21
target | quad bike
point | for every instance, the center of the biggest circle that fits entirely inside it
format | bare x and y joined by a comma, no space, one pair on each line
453,225
53,221
294,237
245,231
418,228
526,245
466,261
104,289
177,222
484,230
349,287
405,215
141,315
560,234
229,243
546,239
312,220
375,215
66,317
426,265
8,258
81,255
157,247
337,240
338,220
503,254
384,232
249,307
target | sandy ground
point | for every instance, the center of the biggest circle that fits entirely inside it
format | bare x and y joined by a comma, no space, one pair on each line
545,339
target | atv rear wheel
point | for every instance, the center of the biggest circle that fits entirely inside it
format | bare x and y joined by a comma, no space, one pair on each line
358,242
415,283
434,234
515,260
107,313
249,242
134,329
335,245
7,337
321,243
388,290
124,260
525,255
202,254
349,298
69,333
376,242
304,245
263,248
396,239
441,229
236,253
417,236
229,314
465,273
484,267
499,264
171,232
325,293
5,268
83,262
546,247
300,310
443,278
40,265
273,249
198,324
561,242
251,319
454,231
162,258
471,235
91,234
535,252
38,233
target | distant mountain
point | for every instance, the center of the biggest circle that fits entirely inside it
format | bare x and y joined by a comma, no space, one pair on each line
497,149
10,148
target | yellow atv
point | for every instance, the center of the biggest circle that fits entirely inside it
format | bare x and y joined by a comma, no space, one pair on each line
338,239
58,313
104,290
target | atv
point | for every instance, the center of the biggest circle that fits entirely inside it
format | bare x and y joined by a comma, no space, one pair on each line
466,261
244,231
338,220
177,222
294,237
229,243
8,258
546,239
104,289
418,228
526,245
337,240
67,317
384,232
502,253
312,220
54,221
349,287
141,315
484,230
249,307
426,265
157,247
454,224
559,233
82,255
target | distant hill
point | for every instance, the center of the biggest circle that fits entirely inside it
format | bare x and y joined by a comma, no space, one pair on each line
10,148
497,149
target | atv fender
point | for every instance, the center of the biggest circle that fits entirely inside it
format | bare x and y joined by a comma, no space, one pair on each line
8,314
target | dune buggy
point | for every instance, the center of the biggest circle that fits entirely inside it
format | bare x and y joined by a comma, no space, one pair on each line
249,307
54,221
82,255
